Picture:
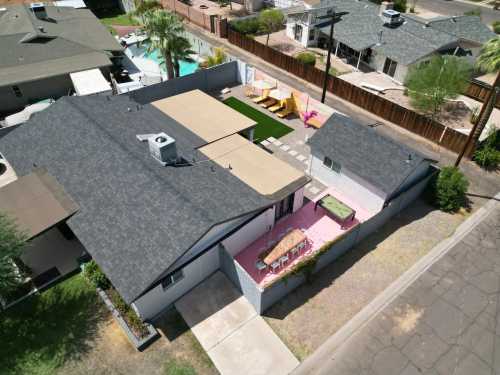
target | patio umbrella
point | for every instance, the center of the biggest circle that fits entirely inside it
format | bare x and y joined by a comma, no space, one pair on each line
280,94
262,85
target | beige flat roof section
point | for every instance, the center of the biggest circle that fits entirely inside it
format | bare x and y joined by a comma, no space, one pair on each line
260,170
36,202
205,116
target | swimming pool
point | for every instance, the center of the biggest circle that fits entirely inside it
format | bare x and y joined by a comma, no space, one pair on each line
185,66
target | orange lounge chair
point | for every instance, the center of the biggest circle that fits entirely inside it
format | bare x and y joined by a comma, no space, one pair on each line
268,103
284,112
314,123
276,108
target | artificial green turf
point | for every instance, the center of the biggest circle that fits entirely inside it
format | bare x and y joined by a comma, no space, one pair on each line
266,126
39,334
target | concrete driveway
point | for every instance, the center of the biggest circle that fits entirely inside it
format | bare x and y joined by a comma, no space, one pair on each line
236,339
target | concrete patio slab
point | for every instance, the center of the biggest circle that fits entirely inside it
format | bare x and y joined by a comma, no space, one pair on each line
237,340
276,359
285,148
293,152
301,157
214,309
277,143
265,143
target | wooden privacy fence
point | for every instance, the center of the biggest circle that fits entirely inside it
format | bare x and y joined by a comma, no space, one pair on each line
478,90
213,23
401,116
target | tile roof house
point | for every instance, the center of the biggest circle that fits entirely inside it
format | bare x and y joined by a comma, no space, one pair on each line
363,164
41,45
367,35
153,228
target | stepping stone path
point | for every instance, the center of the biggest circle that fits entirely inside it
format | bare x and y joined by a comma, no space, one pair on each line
265,143
293,152
285,148
277,143
301,157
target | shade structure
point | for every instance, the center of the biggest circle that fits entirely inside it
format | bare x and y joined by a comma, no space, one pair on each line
280,94
262,85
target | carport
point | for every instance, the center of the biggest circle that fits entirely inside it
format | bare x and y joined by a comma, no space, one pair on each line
235,337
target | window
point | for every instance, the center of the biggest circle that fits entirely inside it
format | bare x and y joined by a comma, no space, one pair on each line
329,163
172,279
298,32
17,91
311,34
284,207
390,67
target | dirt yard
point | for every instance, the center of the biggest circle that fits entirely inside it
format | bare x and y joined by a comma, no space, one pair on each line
308,316
176,352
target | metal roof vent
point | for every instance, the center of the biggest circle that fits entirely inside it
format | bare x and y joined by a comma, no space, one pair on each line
163,148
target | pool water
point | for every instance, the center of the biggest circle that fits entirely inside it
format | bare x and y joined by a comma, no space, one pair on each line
185,66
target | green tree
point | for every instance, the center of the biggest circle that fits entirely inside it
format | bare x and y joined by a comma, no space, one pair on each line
12,243
432,83
143,6
181,50
163,28
271,20
488,61
223,3
451,187
216,58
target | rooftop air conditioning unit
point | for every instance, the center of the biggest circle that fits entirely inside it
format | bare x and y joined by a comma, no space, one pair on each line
39,10
391,17
162,147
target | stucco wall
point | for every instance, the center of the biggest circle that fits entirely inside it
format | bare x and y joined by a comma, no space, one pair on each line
345,182
249,233
156,300
53,87
298,200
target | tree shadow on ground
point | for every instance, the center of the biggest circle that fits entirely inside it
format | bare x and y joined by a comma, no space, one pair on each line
327,276
48,329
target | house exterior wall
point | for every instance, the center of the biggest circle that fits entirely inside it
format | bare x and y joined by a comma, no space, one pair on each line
378,62
366,195
127,5
53,87
298,200
157,299
249,233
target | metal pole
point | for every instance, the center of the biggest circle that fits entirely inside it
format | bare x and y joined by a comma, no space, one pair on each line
327,68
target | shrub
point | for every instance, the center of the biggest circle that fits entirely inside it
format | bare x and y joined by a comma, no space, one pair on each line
307,58
178,367
496,27
450,189
93,274
488,153
473,12
247,26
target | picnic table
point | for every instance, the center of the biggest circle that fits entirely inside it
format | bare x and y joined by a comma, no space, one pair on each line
285,245
340,211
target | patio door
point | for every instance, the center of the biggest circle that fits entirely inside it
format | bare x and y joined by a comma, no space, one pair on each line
298,33
284,207
390,67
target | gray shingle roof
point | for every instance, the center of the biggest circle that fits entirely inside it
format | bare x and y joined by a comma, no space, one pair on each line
28,53
378,160
407,43
465,27
136,217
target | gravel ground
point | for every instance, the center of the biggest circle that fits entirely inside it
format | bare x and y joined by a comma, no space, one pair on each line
308,316
111,353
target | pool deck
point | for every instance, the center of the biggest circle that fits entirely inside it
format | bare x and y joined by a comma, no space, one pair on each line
319,229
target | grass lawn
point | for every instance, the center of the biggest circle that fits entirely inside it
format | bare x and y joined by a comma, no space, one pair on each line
120,19
266,126
41,333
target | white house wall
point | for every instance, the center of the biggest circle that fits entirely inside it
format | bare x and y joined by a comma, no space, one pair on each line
158,299
367,196
249,233
298,200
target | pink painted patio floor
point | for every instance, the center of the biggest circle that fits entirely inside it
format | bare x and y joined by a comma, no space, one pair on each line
319,229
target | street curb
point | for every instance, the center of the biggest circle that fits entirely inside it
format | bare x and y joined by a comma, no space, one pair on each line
314,362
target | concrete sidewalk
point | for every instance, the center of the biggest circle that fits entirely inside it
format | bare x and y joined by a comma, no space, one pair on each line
440,317
237,340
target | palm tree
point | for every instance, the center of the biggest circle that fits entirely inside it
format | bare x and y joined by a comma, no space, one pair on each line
181,50
489,62
163,28
218,57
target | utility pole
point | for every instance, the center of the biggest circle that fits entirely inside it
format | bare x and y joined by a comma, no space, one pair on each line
333,15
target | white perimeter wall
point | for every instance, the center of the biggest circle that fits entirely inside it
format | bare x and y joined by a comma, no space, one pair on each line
158,299
341,181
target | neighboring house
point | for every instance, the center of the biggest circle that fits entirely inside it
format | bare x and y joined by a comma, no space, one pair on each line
158,186
361,163
382,39
41,45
